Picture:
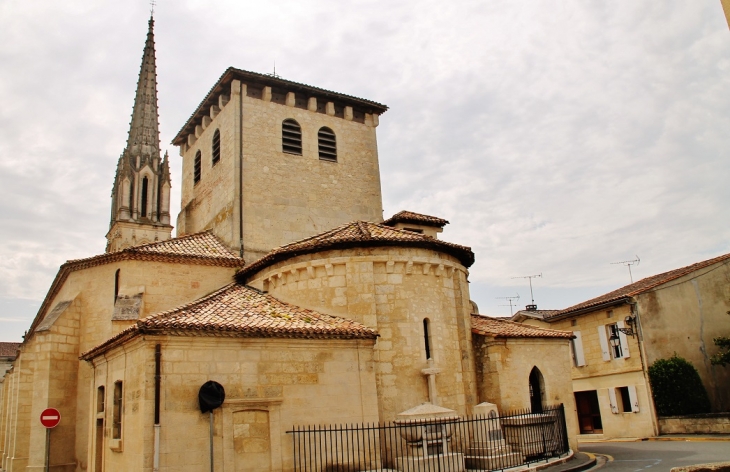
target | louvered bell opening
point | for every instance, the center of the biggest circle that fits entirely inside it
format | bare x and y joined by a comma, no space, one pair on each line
216,147
327,145
291,137
197,168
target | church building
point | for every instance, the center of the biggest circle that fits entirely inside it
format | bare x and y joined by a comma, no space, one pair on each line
284,285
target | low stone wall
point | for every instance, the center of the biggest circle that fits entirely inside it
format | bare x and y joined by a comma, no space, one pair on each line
712,423
715,467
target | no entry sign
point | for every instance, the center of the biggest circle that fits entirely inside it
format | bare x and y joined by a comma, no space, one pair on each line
50,417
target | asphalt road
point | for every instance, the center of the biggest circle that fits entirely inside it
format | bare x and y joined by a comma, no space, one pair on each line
656,456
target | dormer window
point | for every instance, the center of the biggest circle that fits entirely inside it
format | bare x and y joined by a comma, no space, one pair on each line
291,137
197,168
327,144
216,147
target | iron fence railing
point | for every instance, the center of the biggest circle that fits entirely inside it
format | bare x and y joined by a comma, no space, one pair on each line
478,443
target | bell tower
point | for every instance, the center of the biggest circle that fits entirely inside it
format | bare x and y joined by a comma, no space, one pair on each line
140,210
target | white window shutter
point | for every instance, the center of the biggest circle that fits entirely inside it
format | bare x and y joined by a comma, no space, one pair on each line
634,399
612,399
622,338
580,359
604,342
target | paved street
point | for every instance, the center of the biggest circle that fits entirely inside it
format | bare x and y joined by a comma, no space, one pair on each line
658,455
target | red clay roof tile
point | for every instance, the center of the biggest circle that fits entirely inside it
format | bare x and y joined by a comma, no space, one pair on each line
358,234
638,287
417,218
240,311
500,328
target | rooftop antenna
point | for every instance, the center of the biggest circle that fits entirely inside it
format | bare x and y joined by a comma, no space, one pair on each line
273,74
509,299
531,306
629,264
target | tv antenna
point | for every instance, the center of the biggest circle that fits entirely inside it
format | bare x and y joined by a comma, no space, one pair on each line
274,73
629,264
532,297
509,299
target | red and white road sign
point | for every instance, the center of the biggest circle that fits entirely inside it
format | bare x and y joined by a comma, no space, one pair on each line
50,417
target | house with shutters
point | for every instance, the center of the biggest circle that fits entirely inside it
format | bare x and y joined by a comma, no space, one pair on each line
620,334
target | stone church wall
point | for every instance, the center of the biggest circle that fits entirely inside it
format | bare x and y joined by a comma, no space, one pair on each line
503,372
286,197
271,385
392,290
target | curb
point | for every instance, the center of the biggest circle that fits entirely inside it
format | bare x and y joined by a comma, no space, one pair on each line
657,438
576,468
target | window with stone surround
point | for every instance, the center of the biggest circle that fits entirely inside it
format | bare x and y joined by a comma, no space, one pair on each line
216,147
427,337
327,144
291,137
197,169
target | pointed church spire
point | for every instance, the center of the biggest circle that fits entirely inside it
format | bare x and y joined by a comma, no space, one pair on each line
144,136
141,194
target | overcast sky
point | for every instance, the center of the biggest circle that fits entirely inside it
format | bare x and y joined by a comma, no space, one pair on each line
556,137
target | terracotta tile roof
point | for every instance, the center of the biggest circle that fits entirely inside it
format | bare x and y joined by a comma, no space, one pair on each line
200,249
417,218
223,85
502,328
9,349
239,311
535,314
358,234
624,293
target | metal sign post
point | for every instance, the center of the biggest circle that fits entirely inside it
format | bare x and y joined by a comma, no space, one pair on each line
50,417
211,396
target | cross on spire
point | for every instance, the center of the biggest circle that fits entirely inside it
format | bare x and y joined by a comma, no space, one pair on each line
152,7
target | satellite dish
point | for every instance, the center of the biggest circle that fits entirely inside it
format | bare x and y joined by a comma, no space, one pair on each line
211,396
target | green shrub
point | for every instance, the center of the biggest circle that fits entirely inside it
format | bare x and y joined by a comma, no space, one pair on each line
721,358
677,388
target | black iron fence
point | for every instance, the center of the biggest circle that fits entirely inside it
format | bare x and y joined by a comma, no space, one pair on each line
478,443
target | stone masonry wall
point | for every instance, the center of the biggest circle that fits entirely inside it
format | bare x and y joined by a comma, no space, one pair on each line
392,290
271,385
286,197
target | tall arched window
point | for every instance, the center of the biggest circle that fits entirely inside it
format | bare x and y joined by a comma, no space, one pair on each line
116,285
427,336
216,147
327,144
197,168
145,188
537,390
291,137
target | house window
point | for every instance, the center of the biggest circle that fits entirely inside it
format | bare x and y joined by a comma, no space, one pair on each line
614,341
291,137
197,168
623,393
216,147
327,144
623,399
117,411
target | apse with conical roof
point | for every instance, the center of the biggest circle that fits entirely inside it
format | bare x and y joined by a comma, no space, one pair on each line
141,194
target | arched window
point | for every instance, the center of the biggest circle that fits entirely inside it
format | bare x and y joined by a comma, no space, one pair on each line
116,285
197,169
427,337
291,137
327,144
145,187
537,390
216,147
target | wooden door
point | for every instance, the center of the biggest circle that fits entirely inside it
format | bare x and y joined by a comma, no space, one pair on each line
589,413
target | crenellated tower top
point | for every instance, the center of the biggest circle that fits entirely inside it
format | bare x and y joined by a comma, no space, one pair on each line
141,194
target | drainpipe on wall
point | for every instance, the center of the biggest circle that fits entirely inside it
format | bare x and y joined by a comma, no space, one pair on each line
156,456
644,367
